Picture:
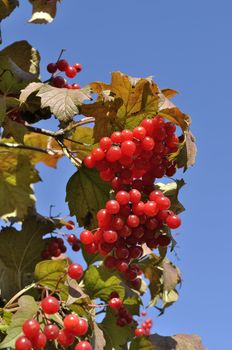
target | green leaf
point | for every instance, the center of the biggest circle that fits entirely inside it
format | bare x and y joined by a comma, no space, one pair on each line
48,272
2,109
142,343
16,176
23,249
43,11
132,304
6,7
63,103
99,283
86,193
171,190
116,337
27,309
82,143
14,129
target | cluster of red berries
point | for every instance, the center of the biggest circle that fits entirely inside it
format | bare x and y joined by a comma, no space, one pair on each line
131,161
70,72
72,239
145,328
36,339
123,315
54,248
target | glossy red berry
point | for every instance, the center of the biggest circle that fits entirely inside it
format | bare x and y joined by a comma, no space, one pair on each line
97,154
70,225
115,303
83,345
135,196
70,72
75,271
113,154
128,148
173,221
62,65
70,322
139,133
112,207
39,341
89,162
65,338
86,237
122,197
50,305
51,331
163,203
52,68
23,343
139,332
105,143
150,208
78,67
72,238
31,328
110,236
81,327
76,86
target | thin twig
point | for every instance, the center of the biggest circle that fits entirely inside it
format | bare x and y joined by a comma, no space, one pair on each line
31,148
16,296
76,161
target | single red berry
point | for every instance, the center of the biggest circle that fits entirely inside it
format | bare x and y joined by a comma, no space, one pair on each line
39,341
97,154
76,246
62,65
103,218
23,343
65,338
78,67
135,196
70,72
70,225
163,203
70,322
31,328
144,313
113,154
86,237
91,248
81,327
122,253
105,143
139,332
112,207
127,135
68,86
76,86
75,271
51,331
52,68
122,266
154,194
128,148
58,82
148,144
121,322
116,137
150,208
83,345
110,262
115,303
122,197
110,236
50,305
173,221
72,239
139,133
133,221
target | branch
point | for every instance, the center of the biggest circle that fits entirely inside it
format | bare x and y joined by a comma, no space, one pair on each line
76,161
31,148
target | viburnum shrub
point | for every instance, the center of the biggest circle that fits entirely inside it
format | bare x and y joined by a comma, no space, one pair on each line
127,144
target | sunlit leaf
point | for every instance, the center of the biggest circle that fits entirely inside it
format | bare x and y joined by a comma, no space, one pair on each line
171,190
43,11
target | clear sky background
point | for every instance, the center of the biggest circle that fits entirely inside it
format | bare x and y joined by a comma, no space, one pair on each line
186,45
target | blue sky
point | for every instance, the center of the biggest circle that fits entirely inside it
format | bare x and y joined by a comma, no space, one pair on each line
185,45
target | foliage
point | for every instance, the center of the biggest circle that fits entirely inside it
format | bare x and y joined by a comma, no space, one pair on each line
25,277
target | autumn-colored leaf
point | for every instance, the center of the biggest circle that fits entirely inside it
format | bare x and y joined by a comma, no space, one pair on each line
6,7
176,342
43,11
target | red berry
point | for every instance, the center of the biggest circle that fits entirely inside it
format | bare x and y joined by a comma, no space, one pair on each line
148,144
39,341
113,154
52,68
105,143
128,148
115,303
110,261
76,246
122,253
122,266
154,194
116,137
89,162
76,86
91,248
81,327
127,135
135,196
86,237
144,313
139,332
23,343
75,271
150,208
70,225
110,236
121,322
50,305
65,338
70,72
138,208
78,67
83,345
163,203
31,328
62,65
112,207
70,322
51,331
114,295
72,238
97,154
139,133
58,82
173,221
133,221
122,197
